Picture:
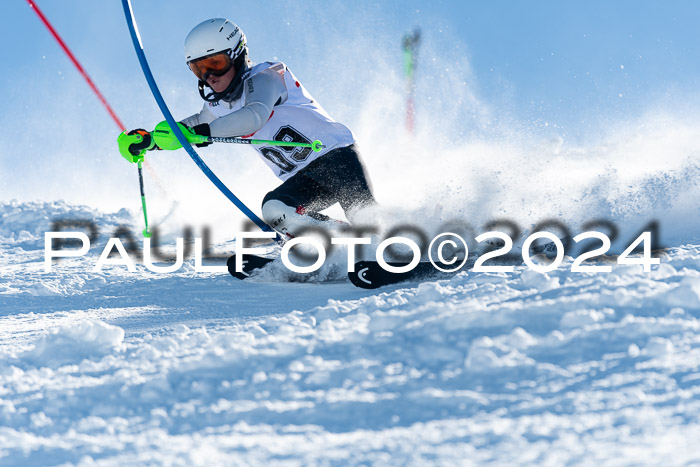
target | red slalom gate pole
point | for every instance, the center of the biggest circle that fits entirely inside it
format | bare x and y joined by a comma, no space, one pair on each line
102,99
76,63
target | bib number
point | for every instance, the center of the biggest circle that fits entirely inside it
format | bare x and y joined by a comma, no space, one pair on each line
287,158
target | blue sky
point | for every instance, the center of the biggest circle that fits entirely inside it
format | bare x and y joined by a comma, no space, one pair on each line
549,66
563,62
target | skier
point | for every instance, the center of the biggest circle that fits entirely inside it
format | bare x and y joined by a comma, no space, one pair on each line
266,100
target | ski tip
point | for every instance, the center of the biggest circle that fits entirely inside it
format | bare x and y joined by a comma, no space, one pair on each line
249,264
371,275
231,265
362,276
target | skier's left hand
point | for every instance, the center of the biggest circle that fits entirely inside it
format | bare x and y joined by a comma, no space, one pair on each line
134,144
165,137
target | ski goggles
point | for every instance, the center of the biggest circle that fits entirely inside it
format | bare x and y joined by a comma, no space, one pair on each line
217,64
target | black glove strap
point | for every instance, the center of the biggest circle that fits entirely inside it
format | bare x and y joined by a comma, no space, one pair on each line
204,130
145,143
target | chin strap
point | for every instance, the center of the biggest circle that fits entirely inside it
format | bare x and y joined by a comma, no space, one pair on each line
207,97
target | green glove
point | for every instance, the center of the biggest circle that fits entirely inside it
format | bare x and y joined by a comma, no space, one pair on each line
165,138
134,144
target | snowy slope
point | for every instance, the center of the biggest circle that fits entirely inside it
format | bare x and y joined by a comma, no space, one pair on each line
200,369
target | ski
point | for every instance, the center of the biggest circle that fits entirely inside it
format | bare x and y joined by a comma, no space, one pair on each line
250,264
370,275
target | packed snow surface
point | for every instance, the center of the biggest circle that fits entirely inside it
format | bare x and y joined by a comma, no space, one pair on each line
199,369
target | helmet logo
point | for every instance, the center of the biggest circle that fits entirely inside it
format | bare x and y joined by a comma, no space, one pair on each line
232,34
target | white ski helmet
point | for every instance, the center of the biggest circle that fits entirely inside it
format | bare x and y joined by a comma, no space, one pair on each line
212,37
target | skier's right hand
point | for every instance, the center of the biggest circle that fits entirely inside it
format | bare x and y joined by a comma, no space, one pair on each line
134,144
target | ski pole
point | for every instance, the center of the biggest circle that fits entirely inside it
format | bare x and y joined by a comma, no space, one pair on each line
164,137
145,232
316,145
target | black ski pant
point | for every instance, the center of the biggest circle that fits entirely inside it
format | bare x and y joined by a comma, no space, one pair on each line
336,177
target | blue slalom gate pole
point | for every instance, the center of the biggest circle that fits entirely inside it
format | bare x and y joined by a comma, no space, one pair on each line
138,46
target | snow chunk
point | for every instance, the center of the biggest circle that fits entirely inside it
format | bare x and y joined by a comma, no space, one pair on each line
433,292
486,355
540,281
520,339
686,295
621,270
42,289
658,347
24,236
74,343
663,271
581,318
633,350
